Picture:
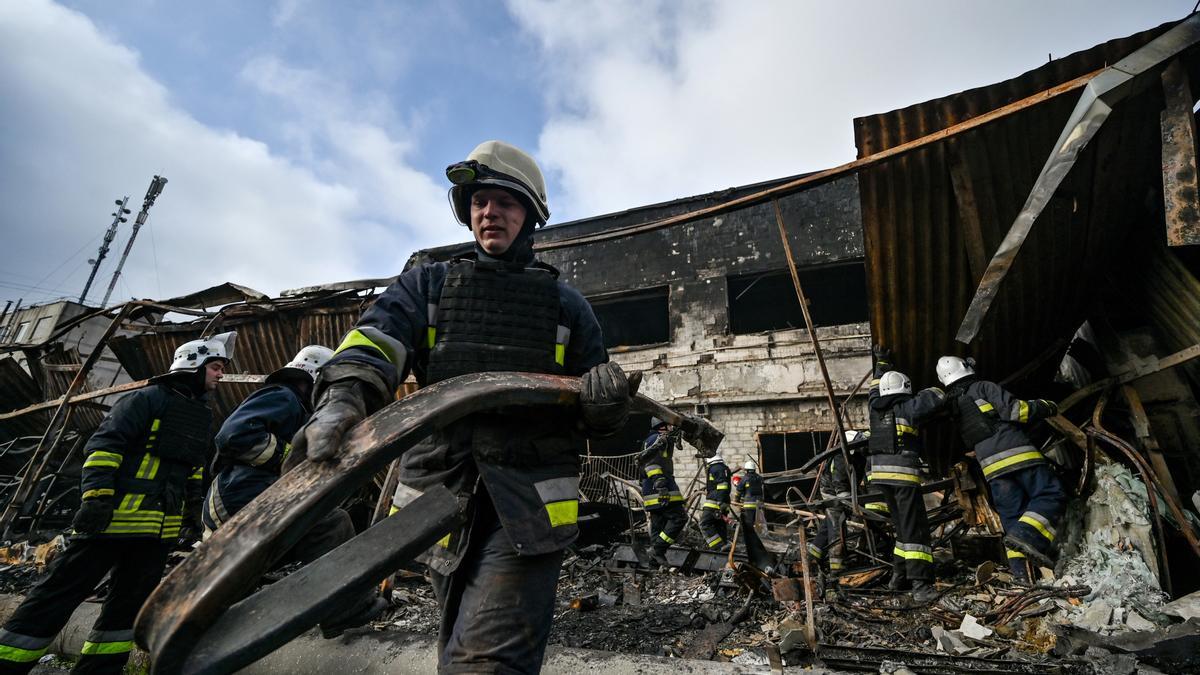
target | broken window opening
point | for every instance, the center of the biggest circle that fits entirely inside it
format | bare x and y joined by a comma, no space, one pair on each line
636,318
837,295
780,451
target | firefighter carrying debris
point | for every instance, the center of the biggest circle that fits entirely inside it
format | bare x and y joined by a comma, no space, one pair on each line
497,309
660,493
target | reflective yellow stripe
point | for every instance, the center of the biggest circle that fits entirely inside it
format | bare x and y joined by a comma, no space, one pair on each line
355,338
1015,459
149,467
199,475
18,655
154,425
912,555
444,542
651,501
722,486
563,513
876,506
107,647
986,407
654,472
888,475
430,336
1032,522
905,429
103,458
560,354
676,498
100,492
1013,554
664,537
711,505
1023,408
393,510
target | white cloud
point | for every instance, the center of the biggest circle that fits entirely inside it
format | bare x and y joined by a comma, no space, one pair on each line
651,101
85,123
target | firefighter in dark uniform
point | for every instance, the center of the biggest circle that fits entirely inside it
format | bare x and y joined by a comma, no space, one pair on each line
1025,491
895,450
716,503
252,446
517,470
142,480
829,544
660,494
749,494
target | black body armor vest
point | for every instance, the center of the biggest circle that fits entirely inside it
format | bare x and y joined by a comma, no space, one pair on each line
974,424
883,439
183,431
491,318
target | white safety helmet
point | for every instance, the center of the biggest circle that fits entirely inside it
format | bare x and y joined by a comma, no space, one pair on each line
498,164
852,435
894,382
750,465
951,369
715,459
191,356
308,361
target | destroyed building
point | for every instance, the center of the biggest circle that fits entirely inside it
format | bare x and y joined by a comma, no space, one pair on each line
1090,297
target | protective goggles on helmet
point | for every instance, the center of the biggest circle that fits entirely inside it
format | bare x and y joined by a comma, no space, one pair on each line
471,171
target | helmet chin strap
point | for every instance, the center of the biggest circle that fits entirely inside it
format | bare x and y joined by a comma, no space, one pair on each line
519,253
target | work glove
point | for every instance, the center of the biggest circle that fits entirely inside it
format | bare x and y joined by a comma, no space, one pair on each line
342,405
882,354
1050,407
93,516
604,397
660,484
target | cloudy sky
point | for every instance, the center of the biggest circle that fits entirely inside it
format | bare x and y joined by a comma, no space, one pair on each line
305,141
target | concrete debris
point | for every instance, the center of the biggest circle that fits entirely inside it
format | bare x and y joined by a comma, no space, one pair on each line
971,628
1187,607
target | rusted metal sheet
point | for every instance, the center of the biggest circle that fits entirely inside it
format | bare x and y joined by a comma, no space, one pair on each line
920,278
1181,180
1106,90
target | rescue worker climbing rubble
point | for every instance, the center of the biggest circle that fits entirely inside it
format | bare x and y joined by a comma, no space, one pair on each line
716,503
1025,491
896,415
252,446
516,471
660,493
749,494
141,482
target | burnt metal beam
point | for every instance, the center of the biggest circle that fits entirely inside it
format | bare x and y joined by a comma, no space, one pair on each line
1181,180
1105,90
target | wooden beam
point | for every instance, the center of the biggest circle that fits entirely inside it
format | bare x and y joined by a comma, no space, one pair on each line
1181,180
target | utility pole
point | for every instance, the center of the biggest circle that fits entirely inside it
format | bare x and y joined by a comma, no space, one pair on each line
156,187
118,218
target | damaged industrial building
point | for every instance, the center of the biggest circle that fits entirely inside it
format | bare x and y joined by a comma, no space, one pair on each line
1045,226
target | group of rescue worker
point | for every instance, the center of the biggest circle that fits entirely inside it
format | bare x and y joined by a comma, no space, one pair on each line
515,471
1026,492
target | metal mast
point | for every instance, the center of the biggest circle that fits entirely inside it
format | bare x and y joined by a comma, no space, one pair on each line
156,187
118,218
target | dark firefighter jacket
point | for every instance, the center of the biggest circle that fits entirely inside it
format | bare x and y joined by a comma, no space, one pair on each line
148,456
251,447
835,480
528,461
750,490
659,488
990,419
895,443
716,485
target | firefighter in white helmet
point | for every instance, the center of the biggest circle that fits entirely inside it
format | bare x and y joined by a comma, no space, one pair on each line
517,471
716,503
141,485
894,447
829,544
1025,491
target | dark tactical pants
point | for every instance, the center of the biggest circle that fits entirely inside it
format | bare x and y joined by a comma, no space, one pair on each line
912,556
666,524
1030,502
136,565
713,526
829,543
497,606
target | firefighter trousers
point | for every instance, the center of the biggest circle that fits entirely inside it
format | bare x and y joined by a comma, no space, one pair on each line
1030,503
829,543
713,527
666,524
136,566
497,606
912,555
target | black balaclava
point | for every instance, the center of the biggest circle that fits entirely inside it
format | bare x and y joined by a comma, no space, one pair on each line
520,253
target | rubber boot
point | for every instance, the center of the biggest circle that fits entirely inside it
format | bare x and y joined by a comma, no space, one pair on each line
359,616
1029,550
924,592
898,582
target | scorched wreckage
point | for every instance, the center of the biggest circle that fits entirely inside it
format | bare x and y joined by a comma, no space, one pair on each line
934,410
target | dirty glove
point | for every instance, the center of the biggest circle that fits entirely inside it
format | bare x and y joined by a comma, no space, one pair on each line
604,397
341,406
1048,408
882,354
93,516
660,484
